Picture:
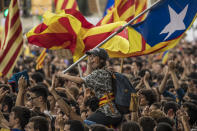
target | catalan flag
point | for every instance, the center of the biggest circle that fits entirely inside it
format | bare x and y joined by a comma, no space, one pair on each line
65,4
162,29
165,57
12,40
109,4
60,31
40,59
140,5
123,10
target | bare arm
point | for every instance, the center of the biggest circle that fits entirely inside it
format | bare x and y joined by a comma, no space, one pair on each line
163,82
146,77
63,105
75,79
173,75
22,84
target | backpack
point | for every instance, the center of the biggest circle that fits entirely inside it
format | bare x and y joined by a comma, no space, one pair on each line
122,89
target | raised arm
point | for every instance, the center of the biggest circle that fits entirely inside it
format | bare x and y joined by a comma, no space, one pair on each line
63,105
75,79
164,81
173,75
22,85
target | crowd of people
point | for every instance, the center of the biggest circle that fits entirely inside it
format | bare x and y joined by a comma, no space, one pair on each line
48,100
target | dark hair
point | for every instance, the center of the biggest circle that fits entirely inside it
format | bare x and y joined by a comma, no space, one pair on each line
147,123
38,77
102,63
171,105
23,114
5,87
163,127
75,91
76,105
40,91
7,100
40,123
92,103
157,105
73,72
166,120
192,96
192,112
139,64
75,125
149,95
98,127
130,126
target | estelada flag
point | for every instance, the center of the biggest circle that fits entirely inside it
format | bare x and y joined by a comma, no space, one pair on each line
162,29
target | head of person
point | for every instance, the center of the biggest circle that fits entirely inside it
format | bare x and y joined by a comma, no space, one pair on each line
92,105
98,127
163,127
73,125
130,126
147,97
147,123
7,104
97,57
37,77
19,117
170,107
37,123
38,95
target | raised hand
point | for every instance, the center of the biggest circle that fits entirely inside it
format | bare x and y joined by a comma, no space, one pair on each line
22,83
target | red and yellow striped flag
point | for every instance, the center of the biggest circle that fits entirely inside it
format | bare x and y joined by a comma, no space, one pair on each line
123,10
140,5
12,40
40,59
65,4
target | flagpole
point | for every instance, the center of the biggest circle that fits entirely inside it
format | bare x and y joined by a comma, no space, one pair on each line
112,35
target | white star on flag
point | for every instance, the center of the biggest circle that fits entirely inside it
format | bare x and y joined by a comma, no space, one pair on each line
176,22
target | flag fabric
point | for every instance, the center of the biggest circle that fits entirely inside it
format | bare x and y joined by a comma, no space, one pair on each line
12,40
123,10
162,29
65,4
140,6
27,51
165,55
40,59
63,30
70,30
109,4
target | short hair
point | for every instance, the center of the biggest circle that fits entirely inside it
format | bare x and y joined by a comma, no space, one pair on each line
38,77
40,123
75,91
150,96
92,103
163,127
166,120
40,91
98,127
192,112
171,105
147,123
157,105
5,87
130,126
157,114
7,100
75,125
23,114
